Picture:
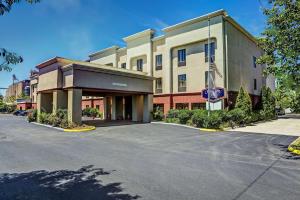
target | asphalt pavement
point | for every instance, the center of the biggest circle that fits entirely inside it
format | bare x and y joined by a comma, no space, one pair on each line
144,161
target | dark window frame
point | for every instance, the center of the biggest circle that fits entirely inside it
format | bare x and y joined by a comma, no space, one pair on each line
254,61
255,84
181,57
158,66
123,65
182,82
158,90
139,64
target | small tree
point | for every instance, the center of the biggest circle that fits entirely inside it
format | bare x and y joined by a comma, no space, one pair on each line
296,103
243,101
268,103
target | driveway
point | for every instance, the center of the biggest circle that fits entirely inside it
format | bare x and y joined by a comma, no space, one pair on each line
143,161
285,125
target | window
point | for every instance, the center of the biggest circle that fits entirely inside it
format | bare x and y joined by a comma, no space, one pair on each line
254,61
158,65
201,106
255,84
158,85
181,57
87,106
182,83
139,64
123,65
97,107
181,106
212,52
211,79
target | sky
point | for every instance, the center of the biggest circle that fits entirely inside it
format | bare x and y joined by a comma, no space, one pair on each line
76,28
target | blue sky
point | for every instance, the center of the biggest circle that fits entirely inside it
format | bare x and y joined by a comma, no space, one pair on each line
76,28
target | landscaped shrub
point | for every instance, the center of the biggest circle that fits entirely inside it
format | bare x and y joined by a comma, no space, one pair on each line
296,103
198,117
236,117
184,116
255,116
91,112
214,120
268,104
32,115
173,113
243,101
172,120
158,115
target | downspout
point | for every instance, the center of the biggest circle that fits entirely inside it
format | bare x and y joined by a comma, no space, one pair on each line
225,39
171,78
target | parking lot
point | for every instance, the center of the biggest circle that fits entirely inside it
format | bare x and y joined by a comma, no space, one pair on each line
144,161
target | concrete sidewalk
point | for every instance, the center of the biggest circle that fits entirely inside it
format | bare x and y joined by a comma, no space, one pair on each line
285,125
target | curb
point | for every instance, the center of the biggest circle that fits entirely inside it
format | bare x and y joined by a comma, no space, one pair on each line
186,126
48,126
79,130
291,149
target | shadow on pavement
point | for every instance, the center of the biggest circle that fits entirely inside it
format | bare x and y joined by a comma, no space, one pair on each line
58,185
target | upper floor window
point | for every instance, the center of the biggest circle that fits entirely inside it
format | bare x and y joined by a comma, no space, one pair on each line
181,57
212,52
123,65
254,61
158,85
182,83
158,65
255,84
139,64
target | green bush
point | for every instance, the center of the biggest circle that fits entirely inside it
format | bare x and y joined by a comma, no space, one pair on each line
268,104
172,120
58,119
296,103
214,120
243,101
91,112
236,117
184,116
158,115
173,113
32,115
198,117
255,116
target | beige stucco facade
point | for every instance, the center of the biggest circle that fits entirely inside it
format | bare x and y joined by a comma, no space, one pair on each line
180,53
235,50
62,84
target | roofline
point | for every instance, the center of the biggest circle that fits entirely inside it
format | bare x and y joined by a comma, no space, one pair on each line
159,38
49,62
114,47
194,20
138,35
240,28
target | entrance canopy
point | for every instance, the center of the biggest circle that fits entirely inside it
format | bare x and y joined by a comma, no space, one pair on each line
62,83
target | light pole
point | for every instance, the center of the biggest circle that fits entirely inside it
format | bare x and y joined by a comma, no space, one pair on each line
208,73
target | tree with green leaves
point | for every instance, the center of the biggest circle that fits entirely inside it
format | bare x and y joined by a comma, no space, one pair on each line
243,101
268,103
281,42
7,59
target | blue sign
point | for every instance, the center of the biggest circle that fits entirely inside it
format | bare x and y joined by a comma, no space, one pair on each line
215,93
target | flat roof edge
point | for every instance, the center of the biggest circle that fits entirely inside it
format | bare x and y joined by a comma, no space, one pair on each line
195,20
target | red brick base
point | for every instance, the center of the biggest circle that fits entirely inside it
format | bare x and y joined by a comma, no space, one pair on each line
26,106
171,101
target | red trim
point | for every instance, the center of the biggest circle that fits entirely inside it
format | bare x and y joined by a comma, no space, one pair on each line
48,62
